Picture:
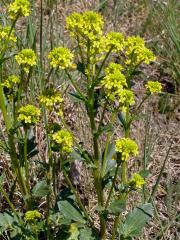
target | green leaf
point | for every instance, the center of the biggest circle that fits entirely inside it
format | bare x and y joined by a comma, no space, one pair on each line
7,221
144,173
136,221
122,119
116,207
107,128
86,234
70,212
76,97
81,68
40,189
110,153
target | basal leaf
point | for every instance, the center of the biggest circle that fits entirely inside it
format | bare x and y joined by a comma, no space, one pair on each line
40,189
116,207
70,212
136,221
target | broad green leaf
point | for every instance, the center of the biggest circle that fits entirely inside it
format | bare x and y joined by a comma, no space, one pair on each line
144,173
70,212
86,234
116,207
7,221
40,189
136,221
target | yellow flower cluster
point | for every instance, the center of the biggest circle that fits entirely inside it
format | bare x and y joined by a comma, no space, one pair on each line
114,81
136,181
11,81
32,216
26,58
29,114
137,52
114,41
19,8
153,87
5,34
125,98
115,86
64,138
61,58
87,25
50,97
126,147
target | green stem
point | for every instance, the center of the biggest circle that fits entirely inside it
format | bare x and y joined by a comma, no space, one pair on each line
6,118
78,199
16,166
102,116
104,163
49,175
103,62
124,179
80,50
8,200
13,154
25,159
96,171
74,84
112,186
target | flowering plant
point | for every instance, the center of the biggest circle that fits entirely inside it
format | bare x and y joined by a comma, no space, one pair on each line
103,86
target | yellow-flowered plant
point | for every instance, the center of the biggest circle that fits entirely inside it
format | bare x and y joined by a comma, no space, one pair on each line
125,99
114,81
11,81
19,8
51,97
127,147
32,216
114,41
137,52
61,57
26,58
64,139
102,87
6,35
136,181
153,87
87,25
29,114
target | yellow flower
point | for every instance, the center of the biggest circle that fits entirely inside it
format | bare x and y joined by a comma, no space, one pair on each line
114,81
114,40
64,138
137,53
126,147
153,87
61,57
26,58
136,181
19,8
50,97
87,25
11,81
32,216
29,114
125,98
4,34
